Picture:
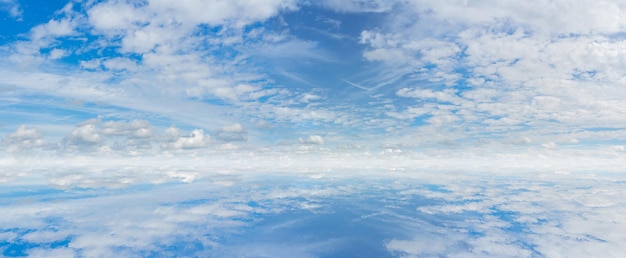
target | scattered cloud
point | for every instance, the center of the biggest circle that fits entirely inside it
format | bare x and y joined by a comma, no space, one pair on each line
312,139
174,139
358,5
422,212
12,7
234,132
85,136
513,111
24,139
504,74
467,79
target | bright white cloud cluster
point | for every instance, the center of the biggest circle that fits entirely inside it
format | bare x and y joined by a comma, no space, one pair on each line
243,77
481,68
196,139
431,128
25,138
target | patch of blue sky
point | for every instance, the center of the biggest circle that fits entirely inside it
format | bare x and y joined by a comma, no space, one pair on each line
509,217
12,194
50,110
20,247
583,75
220,51
33,13
330,27
53,106
436,188
215,101
336,47
17,249
46,194
94,52
177,248
342,221
420,121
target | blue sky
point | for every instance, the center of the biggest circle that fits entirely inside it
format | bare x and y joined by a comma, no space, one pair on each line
236,128
288,77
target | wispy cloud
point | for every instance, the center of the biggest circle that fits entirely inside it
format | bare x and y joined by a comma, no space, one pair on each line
416,76
12,7
212,128
414,213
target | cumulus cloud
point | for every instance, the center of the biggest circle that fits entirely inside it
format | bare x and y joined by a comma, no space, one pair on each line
54,28
23,139
437,75
174,140
132,129
312,140
234,132
85,135
525,74
505,74
152,25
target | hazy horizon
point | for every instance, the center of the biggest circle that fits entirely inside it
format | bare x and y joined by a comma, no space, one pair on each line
296,128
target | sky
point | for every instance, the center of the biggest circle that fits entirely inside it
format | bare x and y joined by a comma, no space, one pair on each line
288,82
303,128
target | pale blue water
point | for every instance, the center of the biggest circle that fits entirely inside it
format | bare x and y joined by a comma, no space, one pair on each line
291,216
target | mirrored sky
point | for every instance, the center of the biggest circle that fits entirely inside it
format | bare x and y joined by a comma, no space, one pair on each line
299,128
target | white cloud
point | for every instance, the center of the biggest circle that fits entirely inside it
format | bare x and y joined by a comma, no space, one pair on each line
501,76
307,97
549,145
524,74
312,139
447,95
358,5
238,12
228,147
504,217
235,128
234,132
85,134
57,54
534,82
24,139
164,24
54,28
12,7
116,64
132,129
113,17
196,139
90,64
53,252
559,17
